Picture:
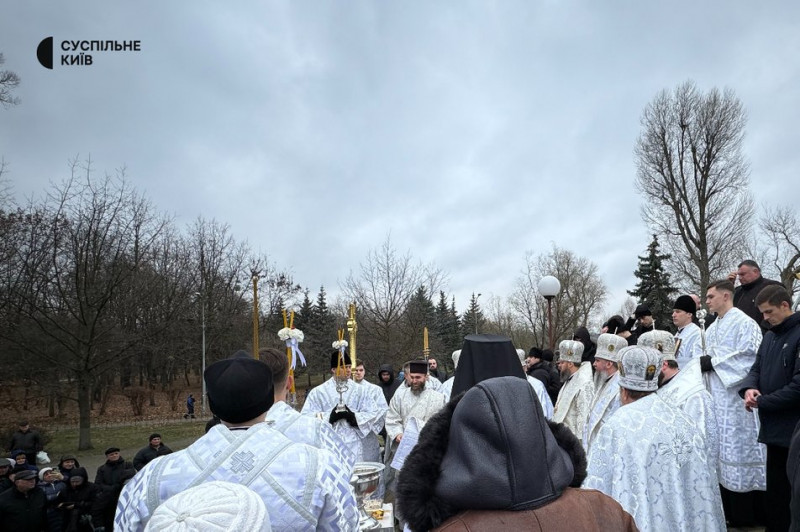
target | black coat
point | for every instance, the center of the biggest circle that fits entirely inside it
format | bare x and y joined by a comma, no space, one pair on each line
545,372
28,441
87,499
776,374
112,475
793,471
148,454
388,387
23,512
744,298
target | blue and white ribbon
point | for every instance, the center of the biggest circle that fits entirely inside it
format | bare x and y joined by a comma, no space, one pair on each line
296,353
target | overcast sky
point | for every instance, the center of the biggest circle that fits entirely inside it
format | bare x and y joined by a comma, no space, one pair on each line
472,131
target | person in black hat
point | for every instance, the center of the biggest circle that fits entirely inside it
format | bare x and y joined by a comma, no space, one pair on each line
361,415
683,313
110,478
489,460
415,400
155,449
640,323
24,506
539,368
303,487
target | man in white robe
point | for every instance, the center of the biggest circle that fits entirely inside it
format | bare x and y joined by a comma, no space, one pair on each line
688,336
606,398
417,401
575,398
684,388
363,416
652,458
303,488
292,424
732,342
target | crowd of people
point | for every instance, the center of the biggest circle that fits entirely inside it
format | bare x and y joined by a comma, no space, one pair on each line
631,428
36,497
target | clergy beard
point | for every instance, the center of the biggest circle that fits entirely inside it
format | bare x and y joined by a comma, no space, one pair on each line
417,388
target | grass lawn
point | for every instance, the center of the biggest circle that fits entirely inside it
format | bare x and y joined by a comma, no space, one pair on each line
175,434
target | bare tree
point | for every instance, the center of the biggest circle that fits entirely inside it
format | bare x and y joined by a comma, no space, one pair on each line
382,290
8,82
694,180
87,246
502,318
578,303
782,227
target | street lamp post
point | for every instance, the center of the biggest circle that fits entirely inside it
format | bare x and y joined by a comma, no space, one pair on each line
476,312
549,287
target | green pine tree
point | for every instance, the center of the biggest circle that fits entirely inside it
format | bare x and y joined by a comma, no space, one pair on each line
654,287
473,319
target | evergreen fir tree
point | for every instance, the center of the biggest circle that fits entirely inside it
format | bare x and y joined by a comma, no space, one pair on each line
473,319
654,287
304,316
457,339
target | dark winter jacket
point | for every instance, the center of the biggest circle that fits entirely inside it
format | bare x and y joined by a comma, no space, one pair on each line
776,374
793,471
85,500
113,475
148,454
23,512
744,298
589,347
388,387
545,372
469,466
28,441
53,491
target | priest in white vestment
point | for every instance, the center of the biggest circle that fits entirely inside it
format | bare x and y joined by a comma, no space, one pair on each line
303,488
652,458
684,387
575,398
606,398
688,336
363,416
295,426
731,345
417,401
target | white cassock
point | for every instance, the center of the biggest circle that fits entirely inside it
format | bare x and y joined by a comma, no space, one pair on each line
370,411
690,346
653,460
433,383
687,391
309,430
605,403
541,393
575,400
447,388
732,341
405,404
303,488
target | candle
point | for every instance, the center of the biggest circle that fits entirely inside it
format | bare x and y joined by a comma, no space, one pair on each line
425,338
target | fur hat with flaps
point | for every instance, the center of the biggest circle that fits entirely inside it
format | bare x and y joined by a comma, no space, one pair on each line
475,454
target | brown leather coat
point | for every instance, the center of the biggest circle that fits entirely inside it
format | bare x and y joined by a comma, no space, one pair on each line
576,509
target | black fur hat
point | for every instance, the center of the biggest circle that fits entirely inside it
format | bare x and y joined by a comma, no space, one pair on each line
464,455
